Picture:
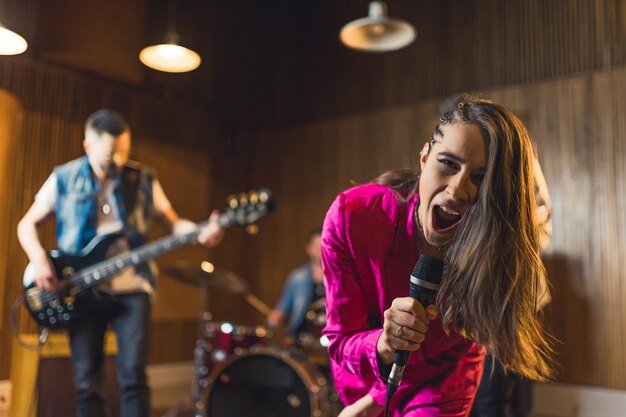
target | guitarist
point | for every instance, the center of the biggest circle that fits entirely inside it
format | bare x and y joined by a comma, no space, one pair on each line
100,193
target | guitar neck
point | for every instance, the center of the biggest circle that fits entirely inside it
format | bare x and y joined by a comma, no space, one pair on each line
106,269
80,271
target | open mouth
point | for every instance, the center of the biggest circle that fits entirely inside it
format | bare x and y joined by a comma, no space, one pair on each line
444,218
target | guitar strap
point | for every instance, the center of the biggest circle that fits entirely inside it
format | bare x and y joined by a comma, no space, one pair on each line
130,186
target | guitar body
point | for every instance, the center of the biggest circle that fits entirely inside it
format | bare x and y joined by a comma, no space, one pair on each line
57,310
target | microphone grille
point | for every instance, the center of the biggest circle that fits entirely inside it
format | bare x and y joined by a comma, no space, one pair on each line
429,269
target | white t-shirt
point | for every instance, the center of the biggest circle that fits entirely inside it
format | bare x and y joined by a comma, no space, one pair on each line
109,221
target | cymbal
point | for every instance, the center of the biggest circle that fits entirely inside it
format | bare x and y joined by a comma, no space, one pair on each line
220,280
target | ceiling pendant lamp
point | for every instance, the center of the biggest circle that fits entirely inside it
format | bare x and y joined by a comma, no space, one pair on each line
10,42
377,32
170,56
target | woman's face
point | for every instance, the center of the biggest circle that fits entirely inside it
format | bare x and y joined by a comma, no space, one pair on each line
452,173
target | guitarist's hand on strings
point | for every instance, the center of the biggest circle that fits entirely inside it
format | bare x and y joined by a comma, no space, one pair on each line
45,277
43,272
212,234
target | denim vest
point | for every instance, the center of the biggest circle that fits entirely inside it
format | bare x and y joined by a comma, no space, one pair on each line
77,205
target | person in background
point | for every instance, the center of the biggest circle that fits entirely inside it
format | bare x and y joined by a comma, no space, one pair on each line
302,293
100,193
470,204
508,394
302,305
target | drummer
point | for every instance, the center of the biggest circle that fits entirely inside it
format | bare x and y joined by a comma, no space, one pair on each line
302,296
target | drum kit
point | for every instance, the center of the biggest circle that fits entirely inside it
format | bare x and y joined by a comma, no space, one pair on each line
239,371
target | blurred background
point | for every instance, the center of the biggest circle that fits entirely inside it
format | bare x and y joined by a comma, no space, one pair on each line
279,102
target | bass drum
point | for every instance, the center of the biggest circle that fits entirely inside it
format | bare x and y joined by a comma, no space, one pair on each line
268,381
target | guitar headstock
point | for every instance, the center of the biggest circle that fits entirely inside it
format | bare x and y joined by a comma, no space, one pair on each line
245,209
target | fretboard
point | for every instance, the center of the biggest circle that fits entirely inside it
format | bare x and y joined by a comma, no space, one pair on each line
108,268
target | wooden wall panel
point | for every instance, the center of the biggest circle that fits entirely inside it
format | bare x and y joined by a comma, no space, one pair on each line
467,45
578,127
9,124
271,65
582,151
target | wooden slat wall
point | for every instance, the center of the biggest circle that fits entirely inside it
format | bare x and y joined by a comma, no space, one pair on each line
9,128
578,126
171,137
282,63
461,45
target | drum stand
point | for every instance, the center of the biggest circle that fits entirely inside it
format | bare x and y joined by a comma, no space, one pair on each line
200,373
200,368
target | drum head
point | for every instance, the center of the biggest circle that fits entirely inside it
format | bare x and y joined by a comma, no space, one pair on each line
268,383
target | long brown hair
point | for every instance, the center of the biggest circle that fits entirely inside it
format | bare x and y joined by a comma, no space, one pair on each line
491,278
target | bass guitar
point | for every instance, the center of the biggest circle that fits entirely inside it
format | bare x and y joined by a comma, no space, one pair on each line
93,265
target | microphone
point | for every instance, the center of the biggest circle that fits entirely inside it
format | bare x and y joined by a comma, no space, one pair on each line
425,281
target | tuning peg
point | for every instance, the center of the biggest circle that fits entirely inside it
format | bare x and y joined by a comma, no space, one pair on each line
254,197
264,195
252,229
243,199
232,201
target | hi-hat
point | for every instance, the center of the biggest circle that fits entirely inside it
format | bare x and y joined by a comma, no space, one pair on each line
219,280
377,32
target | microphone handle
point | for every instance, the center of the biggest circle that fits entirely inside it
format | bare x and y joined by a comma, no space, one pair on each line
423,290
425,297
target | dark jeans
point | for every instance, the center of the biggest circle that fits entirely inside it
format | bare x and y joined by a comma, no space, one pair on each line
129,315
501,394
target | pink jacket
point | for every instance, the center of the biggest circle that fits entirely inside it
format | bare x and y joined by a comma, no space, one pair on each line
369,248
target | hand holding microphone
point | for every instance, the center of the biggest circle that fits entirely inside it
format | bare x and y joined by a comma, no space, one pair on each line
425,280
405,327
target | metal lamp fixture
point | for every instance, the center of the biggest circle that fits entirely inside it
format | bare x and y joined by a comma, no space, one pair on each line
377,32
10,42
170,56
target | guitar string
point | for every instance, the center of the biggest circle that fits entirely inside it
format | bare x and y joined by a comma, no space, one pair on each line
80,276
226,219
223,220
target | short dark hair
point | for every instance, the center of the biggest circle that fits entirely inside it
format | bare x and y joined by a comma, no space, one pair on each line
107,121
312,233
